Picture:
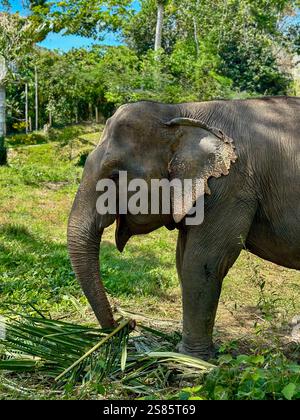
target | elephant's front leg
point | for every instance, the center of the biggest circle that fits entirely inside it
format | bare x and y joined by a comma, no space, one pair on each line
200,300
200,295
204,256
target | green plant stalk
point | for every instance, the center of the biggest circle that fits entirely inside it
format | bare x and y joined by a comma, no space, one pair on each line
183,359
92,350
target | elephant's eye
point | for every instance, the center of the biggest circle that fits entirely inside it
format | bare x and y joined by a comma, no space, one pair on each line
114,175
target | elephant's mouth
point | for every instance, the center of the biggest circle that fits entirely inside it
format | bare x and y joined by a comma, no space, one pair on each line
123,232
129,225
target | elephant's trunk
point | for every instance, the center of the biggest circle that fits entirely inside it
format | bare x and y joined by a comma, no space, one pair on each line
84,237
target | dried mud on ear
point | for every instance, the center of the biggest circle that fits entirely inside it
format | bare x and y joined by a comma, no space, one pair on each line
213,160
224,157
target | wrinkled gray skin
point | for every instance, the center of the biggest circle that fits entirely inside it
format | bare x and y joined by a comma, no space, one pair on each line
252,200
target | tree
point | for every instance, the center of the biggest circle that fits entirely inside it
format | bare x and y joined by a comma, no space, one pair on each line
37,3
140,31
249,52
232,40
159,25
83,17
220,49
17,36
3,71
293,38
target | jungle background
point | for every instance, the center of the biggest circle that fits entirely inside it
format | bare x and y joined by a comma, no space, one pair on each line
53,107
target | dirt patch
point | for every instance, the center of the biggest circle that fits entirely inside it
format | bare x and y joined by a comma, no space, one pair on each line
55,186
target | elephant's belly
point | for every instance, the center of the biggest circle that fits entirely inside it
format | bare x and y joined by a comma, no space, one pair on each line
279,244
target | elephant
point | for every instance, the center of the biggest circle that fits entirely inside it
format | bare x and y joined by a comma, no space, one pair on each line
246,151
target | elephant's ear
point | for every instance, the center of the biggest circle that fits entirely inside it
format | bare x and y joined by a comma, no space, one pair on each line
200,152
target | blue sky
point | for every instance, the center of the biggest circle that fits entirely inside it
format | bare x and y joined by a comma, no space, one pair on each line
65,43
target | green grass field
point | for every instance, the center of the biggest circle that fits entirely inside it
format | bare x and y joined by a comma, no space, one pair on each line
36,192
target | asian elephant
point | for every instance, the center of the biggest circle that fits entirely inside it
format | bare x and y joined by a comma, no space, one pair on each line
247,152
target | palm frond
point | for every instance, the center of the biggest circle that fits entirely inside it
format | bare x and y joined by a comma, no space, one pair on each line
74,353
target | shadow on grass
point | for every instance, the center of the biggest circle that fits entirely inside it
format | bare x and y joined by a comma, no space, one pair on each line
134,271
31,267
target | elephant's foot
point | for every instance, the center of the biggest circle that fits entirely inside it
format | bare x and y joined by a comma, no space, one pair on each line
201,352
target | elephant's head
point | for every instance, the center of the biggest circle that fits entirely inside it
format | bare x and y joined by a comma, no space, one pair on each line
149,141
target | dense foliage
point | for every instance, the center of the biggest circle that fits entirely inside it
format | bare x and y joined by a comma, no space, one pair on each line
210,50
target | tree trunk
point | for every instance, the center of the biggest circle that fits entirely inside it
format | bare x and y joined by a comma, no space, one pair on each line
2,111
26,107
3,154
36,101
50,119
159,26
90,112
97,114
196,36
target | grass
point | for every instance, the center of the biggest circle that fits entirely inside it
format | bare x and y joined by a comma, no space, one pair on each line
36,192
